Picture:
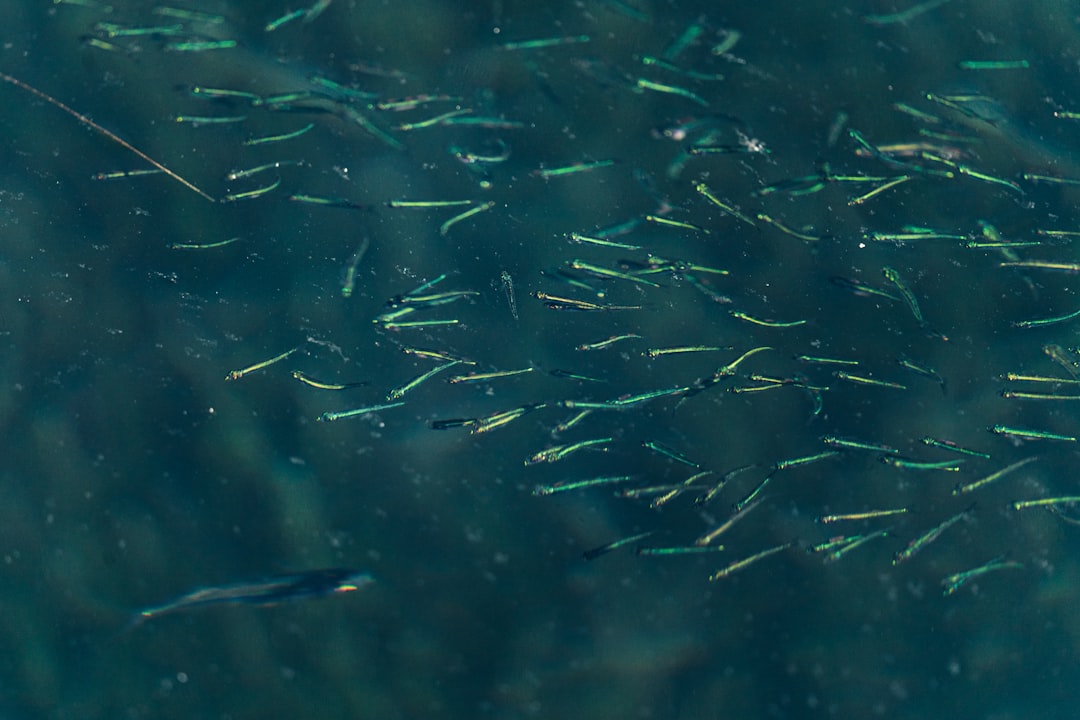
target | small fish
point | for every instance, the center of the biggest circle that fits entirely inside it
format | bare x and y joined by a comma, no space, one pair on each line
270,591
508,288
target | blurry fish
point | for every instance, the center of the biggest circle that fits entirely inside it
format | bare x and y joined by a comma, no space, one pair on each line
269,591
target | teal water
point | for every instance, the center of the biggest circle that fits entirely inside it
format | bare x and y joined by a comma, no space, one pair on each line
135,473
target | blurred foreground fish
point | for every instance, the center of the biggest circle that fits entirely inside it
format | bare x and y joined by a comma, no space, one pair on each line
269,591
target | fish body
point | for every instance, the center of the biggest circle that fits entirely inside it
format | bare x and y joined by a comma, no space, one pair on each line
268,591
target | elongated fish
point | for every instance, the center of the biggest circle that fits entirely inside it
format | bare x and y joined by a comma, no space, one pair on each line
268,591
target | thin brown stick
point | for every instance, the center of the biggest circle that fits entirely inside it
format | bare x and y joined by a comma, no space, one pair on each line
94,126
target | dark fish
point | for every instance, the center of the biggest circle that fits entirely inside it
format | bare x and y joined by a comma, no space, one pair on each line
269,591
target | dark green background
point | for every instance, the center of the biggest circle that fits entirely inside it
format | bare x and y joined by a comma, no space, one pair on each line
132,472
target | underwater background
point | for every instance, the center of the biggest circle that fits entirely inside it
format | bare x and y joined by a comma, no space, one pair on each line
856,220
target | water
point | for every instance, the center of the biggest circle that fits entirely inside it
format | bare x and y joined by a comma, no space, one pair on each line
135,473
